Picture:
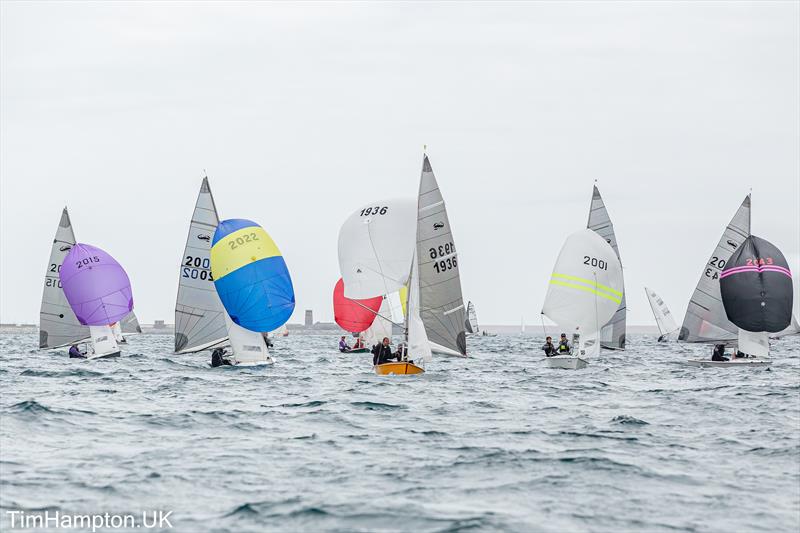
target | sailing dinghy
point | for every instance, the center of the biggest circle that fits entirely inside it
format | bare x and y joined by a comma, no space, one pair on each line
58,325
665,321
585,291
757,293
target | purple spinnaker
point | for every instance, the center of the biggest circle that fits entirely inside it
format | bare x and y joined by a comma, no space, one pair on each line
96,286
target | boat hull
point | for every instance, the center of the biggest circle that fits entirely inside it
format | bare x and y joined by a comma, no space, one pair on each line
402,368
735,363
566,362
103,355
359,350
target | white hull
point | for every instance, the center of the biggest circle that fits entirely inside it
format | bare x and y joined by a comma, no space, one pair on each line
566,362
735,363
265,362
101,355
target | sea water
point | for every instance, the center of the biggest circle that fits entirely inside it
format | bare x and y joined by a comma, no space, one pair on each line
638,441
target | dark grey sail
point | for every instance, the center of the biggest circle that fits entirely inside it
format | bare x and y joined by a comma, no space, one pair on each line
613,333
441,303
199,315
58,325
130,324
706,320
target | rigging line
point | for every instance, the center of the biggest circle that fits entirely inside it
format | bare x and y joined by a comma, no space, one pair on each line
377,314
375,253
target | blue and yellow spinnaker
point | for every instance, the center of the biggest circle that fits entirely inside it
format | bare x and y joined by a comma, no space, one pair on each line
250,276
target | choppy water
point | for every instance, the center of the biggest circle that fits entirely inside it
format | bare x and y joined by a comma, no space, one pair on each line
635,442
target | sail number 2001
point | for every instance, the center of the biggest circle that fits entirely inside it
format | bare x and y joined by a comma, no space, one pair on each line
595,262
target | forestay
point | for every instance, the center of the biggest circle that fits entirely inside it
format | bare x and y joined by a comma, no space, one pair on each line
613,333
199,315
58,325
376,244
664,318
441,304
705,319
586,285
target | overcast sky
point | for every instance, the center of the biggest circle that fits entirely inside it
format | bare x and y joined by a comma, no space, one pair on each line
302,112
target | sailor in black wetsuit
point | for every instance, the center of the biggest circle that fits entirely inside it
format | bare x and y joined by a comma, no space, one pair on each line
549,348
719,353
75,353
217,358
382,353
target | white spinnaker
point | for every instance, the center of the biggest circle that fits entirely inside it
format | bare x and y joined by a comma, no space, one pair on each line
419,347
441,304
249,347
103,342
376,243
664,318
58,325
706,320
471,323
380,328
199,315
396,307
586,285
613,333
754,343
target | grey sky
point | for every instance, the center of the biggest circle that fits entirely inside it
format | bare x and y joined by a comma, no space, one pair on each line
302,112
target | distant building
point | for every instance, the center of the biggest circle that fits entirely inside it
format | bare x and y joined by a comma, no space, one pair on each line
309,318
159,324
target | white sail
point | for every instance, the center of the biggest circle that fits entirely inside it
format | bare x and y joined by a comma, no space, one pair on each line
249,347
664,318
396,307
752,343
791,329
381,327
586,285
58,325
116,329
471,323
376,243
419,347
613,333
103,342
130,324
706,320
441,303
199,315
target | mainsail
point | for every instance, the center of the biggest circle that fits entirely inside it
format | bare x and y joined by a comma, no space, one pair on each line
664,318
199,315
471,323
58,325
441,305
705,319
130,324
613,333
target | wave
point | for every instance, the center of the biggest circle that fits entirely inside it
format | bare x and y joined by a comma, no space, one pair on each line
625,419
378,406
73,372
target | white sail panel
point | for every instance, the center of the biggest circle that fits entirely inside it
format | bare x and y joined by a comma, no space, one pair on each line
706,320
419,347
753,343
58,325
586,285
471,323
199,315
664,318
381,327
613,333
441,303
376,243
249,347
130,324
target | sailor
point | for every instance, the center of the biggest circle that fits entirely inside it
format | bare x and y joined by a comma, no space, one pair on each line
564,346
75,353
719,353
343,346
267,340
359,343
402,352
548,347
382,353
217,358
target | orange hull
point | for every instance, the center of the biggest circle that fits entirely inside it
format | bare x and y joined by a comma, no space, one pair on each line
398,369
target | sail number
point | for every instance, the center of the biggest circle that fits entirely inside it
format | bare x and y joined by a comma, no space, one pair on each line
595,262
442,250
377,210
445,264
87,261
239,241
757,261
717,264
192,266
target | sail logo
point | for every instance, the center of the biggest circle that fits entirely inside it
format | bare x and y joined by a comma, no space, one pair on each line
204,237
65,248
733,243
438,225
